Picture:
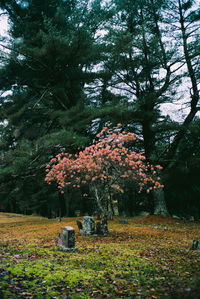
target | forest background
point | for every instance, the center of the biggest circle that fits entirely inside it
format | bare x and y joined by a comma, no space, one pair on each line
68,68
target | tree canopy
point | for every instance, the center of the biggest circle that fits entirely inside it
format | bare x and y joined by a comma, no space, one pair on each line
68,68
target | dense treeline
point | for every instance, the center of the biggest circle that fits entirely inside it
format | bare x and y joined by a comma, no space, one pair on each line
70,67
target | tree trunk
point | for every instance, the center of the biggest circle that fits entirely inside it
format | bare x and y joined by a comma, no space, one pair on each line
102,205
104,223
110,208
160,207
66,199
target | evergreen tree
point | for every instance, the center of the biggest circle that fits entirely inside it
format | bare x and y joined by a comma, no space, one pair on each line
147,58
52,51
62,78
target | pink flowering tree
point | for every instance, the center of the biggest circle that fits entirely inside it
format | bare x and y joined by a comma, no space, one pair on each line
104,166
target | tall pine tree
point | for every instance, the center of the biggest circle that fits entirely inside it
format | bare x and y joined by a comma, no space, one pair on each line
148,60
52,53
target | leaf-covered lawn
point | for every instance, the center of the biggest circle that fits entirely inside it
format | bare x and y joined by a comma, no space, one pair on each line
134,261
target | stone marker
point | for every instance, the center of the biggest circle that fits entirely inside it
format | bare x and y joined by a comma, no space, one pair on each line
157,227
88,225
77,213
143,214
195,244
68,239
123,221
99,229
79,223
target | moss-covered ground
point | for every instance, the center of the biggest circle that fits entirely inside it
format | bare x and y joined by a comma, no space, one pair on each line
136,260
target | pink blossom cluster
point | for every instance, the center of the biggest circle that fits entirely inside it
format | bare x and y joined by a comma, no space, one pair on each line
107,163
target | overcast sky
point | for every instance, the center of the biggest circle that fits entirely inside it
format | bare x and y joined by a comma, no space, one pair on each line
3,24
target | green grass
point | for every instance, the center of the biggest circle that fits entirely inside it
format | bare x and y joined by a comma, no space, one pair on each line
135,261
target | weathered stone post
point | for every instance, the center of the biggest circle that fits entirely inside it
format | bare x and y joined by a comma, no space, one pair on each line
68,239
88,226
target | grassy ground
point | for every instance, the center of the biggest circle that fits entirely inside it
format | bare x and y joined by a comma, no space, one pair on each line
134,261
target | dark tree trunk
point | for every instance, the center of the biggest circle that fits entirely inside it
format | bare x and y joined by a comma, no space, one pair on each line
102,204
104,223
160,207
66,200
